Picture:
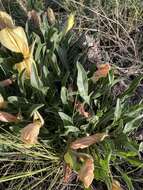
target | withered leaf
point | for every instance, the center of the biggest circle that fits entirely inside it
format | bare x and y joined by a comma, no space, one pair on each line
68,172
80,108
86,173
7,117
102,71
6,82
29,134
87,141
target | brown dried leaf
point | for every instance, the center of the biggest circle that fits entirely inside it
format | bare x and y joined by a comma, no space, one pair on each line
6,82
3,104
102,71
80,108
68,172
34,18
7,117
87,141
86,173
29,134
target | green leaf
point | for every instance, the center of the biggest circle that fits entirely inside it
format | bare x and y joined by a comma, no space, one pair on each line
54,63
130,126
127,154
133,110
62,53
128,181
34,108
88,188
118,110
135,162
64,80
132,87
66,119
35,80
103,164
82,83
17,100
141,147
64,95
111,77
21,79
68,159
38,51
71,129
131,157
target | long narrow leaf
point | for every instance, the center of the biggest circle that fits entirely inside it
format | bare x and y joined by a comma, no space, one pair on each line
82,83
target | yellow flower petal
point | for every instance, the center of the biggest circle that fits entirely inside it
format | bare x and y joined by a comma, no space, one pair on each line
69,24
15,40
87,141
86,173
5,20
25,64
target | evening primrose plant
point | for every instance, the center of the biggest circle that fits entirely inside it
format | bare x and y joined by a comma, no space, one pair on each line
73,127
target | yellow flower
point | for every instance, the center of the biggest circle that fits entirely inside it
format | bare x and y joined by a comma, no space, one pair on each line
86,173
3,104
70,23
5,20
7,117
14,39
29,134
